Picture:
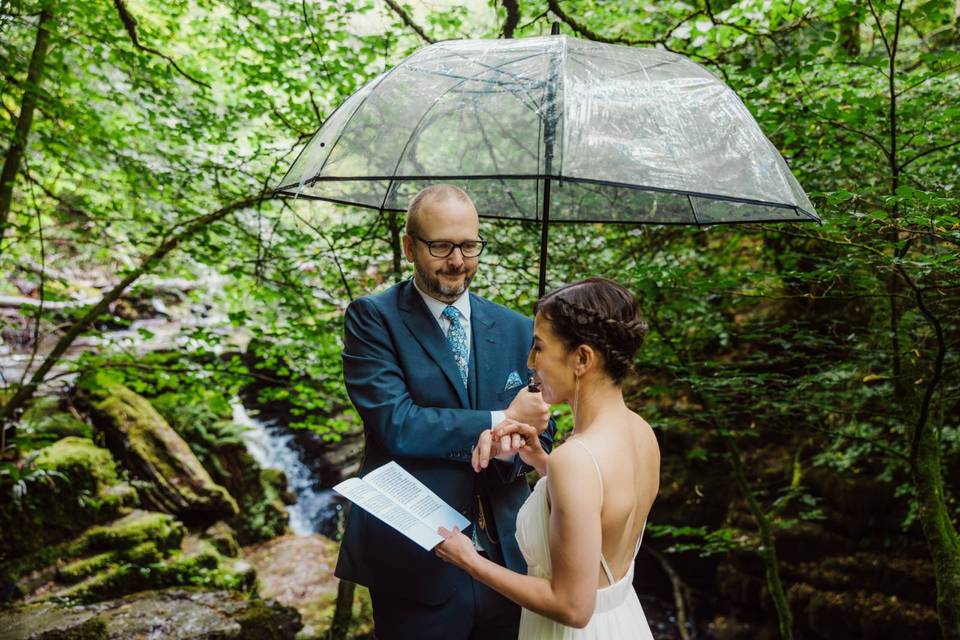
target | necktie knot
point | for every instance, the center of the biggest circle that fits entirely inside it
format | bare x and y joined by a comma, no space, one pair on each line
451,313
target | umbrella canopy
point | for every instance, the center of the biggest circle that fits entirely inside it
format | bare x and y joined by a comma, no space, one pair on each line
552,128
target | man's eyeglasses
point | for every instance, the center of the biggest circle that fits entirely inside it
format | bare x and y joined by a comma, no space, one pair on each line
443,248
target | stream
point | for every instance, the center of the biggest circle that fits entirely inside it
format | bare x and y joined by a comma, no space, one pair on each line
274,446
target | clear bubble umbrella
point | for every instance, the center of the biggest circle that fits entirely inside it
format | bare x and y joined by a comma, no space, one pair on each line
552,129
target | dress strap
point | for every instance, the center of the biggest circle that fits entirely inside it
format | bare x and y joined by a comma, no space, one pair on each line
603,561
639,540
599,475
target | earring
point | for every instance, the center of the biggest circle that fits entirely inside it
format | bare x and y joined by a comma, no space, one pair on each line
576,398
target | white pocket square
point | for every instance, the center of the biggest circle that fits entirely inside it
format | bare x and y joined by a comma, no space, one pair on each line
513,380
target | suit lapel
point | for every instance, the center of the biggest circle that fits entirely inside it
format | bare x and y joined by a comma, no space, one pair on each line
427,332
486,336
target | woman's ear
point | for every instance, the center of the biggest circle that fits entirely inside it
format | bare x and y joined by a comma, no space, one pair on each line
586,357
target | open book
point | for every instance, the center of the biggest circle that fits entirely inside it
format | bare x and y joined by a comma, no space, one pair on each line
393,495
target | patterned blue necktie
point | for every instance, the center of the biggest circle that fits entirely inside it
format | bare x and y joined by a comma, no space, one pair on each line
457,338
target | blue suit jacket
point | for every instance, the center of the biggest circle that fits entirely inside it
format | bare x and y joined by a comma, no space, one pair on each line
402,378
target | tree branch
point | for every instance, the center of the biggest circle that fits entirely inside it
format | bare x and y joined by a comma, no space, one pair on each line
593,35
407,20
130,24
927,152
512,19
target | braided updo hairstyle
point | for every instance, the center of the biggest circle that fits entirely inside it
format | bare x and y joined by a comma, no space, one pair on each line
600,313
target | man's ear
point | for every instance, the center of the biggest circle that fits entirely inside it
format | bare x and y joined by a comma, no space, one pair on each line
408,247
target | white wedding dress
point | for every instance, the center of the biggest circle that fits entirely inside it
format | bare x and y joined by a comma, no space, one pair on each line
618,614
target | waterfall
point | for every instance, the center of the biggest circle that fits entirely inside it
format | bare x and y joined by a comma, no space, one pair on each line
273,446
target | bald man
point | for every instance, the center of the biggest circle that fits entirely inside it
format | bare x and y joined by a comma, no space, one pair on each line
429,367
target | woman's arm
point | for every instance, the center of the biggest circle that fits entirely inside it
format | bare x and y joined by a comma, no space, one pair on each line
569,596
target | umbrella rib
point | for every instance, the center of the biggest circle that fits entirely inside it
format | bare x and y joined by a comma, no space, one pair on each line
516,80
693,210
355,111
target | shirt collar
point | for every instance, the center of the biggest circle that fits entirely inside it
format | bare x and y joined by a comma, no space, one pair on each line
436,307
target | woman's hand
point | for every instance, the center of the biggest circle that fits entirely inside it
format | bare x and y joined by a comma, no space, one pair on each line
531,450
456,548
488,447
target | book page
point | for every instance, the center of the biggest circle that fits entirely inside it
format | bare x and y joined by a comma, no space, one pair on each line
377,504
397,483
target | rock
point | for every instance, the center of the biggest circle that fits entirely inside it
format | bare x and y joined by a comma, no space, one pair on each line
223,538
85,465
160,529
75,485
297,571
153,451
341,459
143,550
46,420
172,614
88,565
258,491
277,479
206,422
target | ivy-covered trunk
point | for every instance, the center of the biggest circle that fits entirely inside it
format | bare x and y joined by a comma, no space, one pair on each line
939,531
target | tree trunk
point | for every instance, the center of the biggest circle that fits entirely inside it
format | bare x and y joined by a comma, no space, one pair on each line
939,531
768,550
343,613
927,471
11,163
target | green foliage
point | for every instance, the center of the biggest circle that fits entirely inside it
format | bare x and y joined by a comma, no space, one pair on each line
813,348
703,541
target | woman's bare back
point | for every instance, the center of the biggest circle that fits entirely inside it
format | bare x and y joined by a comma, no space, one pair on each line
628,456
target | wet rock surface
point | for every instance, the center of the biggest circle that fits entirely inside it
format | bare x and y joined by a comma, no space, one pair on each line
297,571
170,614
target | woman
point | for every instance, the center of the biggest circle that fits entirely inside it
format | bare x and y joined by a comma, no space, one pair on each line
581,528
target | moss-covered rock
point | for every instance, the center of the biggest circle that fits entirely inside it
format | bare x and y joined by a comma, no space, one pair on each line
223,538
74,484
161,529
86,465
172,614
143,554
144,551
154,452
47,420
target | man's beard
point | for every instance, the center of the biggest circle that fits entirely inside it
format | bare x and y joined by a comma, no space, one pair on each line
436,289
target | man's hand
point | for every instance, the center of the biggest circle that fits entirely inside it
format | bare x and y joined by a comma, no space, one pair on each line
487,447
529,408
531,451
